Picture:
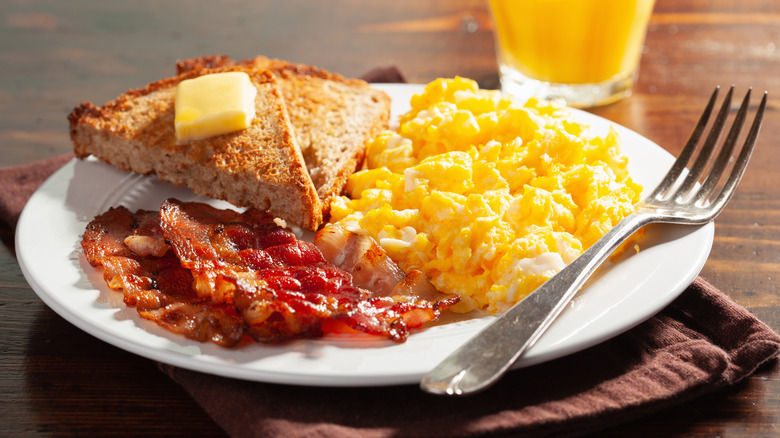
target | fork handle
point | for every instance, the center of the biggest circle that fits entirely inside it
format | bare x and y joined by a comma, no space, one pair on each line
484,358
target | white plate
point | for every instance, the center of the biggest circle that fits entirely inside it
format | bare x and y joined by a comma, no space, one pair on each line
48,249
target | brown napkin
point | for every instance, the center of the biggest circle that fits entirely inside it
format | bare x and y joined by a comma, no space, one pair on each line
19,183
701,342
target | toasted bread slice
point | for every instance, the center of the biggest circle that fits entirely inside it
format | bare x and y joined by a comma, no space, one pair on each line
334,117
261,166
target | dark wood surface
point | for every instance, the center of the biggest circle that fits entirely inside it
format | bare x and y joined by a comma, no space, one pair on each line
57,380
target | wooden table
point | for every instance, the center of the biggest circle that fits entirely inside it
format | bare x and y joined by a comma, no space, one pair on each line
57,380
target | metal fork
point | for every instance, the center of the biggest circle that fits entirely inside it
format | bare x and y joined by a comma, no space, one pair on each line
679,198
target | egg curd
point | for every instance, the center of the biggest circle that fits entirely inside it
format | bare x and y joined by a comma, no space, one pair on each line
488,196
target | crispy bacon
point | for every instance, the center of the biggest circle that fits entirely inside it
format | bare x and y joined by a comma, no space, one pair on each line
201,321
157,285
361,256
229,274
208,240
407,299
295,301
371,267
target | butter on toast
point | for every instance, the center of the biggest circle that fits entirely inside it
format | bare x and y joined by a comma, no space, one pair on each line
333,117
261,166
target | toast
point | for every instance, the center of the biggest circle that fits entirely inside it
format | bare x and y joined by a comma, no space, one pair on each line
261,166
333,117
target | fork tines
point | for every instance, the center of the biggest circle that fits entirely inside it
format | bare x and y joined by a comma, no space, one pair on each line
685,184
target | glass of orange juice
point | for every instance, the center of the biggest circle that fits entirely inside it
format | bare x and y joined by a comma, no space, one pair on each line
583,51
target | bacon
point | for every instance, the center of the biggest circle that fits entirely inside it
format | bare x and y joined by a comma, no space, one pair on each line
147,246
208,240
295,302
103,244
371,267
306,301
158,286
217,275
398,301
361,256
199,321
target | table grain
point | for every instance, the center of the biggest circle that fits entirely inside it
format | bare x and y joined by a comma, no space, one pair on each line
57,380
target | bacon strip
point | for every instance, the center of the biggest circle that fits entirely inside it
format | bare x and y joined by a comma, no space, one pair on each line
158,286
371,267
230,274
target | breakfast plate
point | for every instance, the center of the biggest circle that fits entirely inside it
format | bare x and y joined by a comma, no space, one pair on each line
619,297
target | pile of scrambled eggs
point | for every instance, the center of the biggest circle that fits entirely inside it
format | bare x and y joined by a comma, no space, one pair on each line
487,196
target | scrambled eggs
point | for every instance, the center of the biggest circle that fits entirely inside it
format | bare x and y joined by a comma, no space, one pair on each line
487,196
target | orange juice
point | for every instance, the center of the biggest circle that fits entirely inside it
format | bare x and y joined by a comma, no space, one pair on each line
571,41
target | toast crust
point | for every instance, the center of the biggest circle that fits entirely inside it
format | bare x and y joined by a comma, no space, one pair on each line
261,166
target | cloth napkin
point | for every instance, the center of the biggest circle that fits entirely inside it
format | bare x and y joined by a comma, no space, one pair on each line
701,342
19,183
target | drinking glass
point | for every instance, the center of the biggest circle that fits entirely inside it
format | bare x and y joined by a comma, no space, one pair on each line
583,51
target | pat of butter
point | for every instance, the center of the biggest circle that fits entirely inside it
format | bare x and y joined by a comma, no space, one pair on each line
214,104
